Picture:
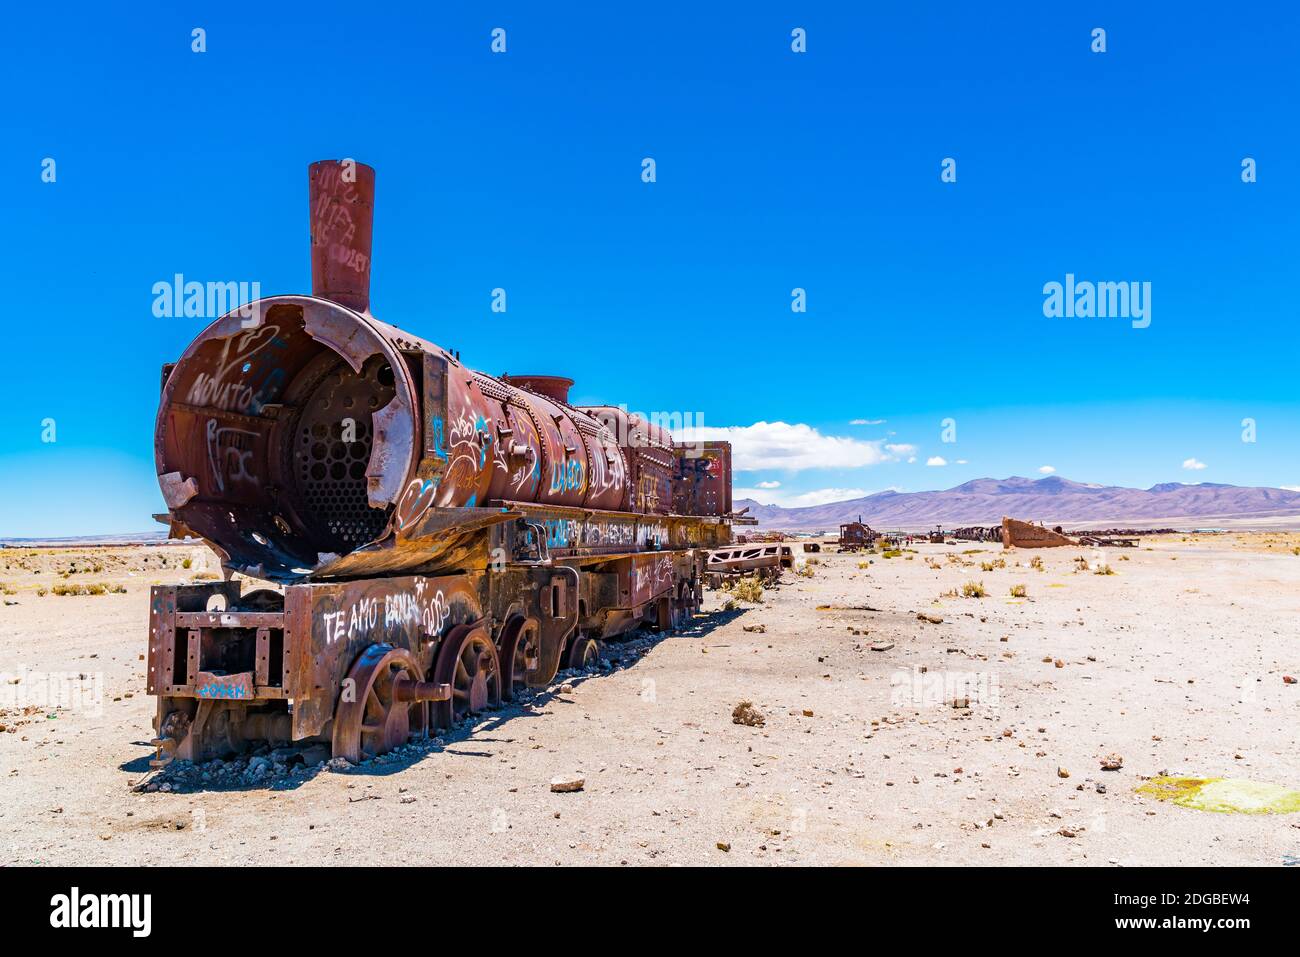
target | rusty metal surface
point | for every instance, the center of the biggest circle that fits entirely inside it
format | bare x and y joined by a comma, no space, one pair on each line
342,203
855,536
303,429
442,536
389,705
744,558
1016,533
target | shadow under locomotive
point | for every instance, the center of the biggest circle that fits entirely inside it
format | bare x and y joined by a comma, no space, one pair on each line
289,767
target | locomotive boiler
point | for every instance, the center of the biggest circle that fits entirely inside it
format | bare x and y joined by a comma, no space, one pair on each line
440,536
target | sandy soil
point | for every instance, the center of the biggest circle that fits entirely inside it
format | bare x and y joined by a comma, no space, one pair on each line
1175,662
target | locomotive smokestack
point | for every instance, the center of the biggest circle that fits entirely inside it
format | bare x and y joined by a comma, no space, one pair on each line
342,195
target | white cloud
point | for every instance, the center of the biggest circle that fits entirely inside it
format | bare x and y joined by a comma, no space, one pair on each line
936,460
1290,488
773,484
1193,464
821,496
961,461
911,459
782,446
866,422
900,449
1047,469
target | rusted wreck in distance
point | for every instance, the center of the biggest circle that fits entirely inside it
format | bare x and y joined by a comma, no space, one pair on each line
443,536
1018,534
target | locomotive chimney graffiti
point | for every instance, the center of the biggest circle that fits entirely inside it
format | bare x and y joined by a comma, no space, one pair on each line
342,199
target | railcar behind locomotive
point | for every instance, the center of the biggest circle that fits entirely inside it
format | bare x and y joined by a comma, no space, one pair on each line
442,536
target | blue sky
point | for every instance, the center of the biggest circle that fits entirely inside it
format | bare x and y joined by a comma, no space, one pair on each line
775,170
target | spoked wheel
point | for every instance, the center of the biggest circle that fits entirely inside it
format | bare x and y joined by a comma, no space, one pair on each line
468,663
584,653
384,704
520,647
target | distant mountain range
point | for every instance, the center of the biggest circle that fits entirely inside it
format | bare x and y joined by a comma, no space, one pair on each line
1052,500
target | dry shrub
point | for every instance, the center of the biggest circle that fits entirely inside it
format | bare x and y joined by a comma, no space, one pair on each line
99,588
745,713
973,590
748,589
1019,591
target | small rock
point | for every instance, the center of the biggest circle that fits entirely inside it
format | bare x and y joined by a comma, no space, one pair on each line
567,784
1062,773
723,846
1112,762
757,629
881,645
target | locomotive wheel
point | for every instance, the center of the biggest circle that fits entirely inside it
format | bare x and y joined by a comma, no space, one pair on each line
519,642
584,653
379,717
468,662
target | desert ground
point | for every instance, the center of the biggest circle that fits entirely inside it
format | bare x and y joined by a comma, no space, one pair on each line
1174,663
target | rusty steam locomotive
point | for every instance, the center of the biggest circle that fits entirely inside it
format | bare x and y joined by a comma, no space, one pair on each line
442,536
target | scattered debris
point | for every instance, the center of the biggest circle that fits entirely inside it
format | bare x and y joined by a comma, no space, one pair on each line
567,784
745,713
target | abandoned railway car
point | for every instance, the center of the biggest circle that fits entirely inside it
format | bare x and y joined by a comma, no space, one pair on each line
439,536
